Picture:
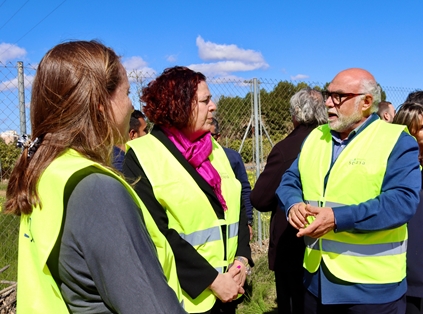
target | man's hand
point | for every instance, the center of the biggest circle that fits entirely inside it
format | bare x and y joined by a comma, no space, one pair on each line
298,216
323,223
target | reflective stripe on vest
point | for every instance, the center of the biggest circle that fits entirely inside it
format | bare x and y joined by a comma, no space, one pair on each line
37,238
382,249
356,176
188,208
202,236
212,234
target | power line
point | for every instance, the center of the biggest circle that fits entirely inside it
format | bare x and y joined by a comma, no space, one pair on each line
40,21
13,14
2,3
34,26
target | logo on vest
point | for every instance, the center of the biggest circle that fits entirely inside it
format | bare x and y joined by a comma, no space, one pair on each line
357,162
224,175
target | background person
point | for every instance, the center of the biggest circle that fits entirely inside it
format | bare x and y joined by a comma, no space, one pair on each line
386,111
189,187
83,244
350,194
137,128
137,125
286,251
237,165
411,115
416,96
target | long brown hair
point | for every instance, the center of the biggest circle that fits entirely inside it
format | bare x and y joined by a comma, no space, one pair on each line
409,114
73,80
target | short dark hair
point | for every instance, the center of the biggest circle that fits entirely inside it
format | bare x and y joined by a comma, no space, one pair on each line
134,124
416,96
383,107
137,114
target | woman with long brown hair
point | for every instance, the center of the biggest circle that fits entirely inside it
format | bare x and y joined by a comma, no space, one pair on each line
83,243
410,114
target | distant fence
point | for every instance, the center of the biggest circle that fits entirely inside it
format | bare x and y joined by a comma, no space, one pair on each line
253,115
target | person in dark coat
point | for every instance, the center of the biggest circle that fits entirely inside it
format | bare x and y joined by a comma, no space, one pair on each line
286,251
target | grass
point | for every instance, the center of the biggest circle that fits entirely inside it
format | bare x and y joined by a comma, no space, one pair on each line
9,230
260,293
3,185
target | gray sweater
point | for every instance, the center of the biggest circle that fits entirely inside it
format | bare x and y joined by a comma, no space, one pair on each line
107,261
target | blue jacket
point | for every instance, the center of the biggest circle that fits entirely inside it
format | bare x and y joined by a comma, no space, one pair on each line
241,174
396,203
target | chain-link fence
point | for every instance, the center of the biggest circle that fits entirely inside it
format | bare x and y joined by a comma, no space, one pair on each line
253,116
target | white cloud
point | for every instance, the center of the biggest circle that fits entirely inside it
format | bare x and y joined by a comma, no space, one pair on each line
212,51
137,63
13,84
171,58
230,58
136,67
223,68
10,52
299,77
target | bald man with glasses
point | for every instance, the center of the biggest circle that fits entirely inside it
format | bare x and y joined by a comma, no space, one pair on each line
350,193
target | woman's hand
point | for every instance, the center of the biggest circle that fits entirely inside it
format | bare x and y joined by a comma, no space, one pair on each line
240,276
225,287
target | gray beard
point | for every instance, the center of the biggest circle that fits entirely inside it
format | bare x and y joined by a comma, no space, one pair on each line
343,123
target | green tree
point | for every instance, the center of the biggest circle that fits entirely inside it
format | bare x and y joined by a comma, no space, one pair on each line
9,153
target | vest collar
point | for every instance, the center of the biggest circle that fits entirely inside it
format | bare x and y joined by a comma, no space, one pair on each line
158,133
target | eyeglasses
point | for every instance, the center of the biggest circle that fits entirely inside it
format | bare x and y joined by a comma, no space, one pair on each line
337,97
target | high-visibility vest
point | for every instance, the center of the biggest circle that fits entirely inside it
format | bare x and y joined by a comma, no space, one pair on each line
37,290
189,210
374,257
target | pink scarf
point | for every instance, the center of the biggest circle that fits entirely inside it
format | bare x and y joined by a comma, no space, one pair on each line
197,154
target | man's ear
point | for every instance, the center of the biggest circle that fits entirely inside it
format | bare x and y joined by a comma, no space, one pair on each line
367,102
131,134
386,116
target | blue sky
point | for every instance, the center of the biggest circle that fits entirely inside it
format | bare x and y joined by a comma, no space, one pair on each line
284,40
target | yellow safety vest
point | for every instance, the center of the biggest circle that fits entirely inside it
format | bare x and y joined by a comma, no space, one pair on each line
376,257
37,290
188,209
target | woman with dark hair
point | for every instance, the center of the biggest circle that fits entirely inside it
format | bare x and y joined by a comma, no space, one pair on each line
187,183
411,115
83,243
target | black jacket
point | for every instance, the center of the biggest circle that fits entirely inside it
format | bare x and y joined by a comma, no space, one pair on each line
194,272
283,241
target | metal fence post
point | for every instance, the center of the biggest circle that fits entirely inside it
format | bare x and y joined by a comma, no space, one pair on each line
257,148
21,90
